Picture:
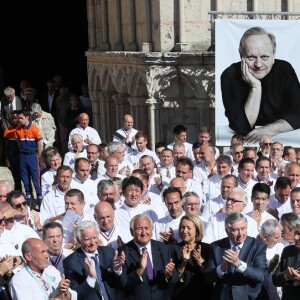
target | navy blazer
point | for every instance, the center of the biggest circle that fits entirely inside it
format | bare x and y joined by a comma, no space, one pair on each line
74,268
289,258
236,285
133,287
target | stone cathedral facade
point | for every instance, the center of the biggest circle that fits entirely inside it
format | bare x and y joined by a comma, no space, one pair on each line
155,60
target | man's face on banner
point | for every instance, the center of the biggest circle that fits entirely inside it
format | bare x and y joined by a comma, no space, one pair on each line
258,55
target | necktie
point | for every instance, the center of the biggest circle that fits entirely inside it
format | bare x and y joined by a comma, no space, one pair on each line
149,267
168,173
99,278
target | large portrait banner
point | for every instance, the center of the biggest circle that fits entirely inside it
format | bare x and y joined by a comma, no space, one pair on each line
257,81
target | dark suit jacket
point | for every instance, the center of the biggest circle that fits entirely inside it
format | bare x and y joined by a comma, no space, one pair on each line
193,279
289,257
135,288
74,268
45,105
236,285
5,112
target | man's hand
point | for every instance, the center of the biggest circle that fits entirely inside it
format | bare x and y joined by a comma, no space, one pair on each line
90,268
256,215
230,258
143,264
6,264
87,140
119,261
63,287
169,268
247,75
292,274
273,212
36,219
158,182
146,200
168,236
272,129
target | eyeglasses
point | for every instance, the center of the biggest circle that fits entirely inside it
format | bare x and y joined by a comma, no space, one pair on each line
4,219
92,153
233,200
267,144
19,205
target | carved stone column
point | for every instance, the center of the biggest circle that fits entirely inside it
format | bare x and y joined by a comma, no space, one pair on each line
106,116
96,104
182,45
120,101
152,112
105,45
132,31
134,109
148,30
205,113
91,24
118,46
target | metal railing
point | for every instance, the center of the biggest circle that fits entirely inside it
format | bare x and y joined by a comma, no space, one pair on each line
249,15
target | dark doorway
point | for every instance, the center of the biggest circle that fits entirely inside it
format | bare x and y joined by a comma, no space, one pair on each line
40,39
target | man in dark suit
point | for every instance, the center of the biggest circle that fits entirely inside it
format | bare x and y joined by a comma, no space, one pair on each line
90,268
237,263
48,98
287,274
8,103
145,266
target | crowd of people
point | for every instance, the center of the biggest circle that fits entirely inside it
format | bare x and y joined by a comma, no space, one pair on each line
88,219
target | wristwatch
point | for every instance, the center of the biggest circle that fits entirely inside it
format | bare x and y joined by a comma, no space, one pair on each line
239,264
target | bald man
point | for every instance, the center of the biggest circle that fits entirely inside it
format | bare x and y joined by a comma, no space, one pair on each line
109,232
126,135
5,188
38,280
179,183
89,134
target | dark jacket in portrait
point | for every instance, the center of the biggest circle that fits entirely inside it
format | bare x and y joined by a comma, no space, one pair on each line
279,100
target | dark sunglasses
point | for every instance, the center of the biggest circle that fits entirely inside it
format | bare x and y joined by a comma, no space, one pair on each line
4,219
21,204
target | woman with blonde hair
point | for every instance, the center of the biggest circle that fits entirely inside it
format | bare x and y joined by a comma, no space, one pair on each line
191,256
